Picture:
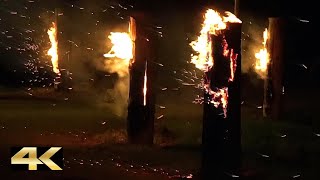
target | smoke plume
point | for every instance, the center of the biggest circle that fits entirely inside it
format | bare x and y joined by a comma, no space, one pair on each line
251,42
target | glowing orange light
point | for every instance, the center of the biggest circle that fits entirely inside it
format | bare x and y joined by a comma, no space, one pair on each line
53,51
203,59
121,53
263,56
213,22
145,86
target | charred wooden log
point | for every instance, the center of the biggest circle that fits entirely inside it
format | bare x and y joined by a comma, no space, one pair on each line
221,138
62,80
57,79
276,48
141,107
233,36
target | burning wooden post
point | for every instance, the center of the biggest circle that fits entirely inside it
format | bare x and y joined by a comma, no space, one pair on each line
218,49
53,34
131,55
234,150
221,124
263,67
57,79
62,76
141,107
276,48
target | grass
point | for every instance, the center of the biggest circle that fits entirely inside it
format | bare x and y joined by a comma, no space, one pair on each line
292,148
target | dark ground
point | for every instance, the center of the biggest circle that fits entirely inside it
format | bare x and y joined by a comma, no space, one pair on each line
94,139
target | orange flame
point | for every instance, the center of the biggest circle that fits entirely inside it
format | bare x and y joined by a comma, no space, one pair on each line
233,64
203,59
145,86
121,51
263,56
232,57
122,46
218,97
213,23
53,51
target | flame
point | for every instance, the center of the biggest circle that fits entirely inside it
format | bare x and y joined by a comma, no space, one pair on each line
145,86
121,52
213,23
122,46
203,59
53,51
221,94
263,56
233,64
232,57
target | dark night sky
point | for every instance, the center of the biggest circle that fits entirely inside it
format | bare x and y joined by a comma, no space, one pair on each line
270,7
172,13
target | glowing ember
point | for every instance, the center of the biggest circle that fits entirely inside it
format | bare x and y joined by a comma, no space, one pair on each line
220,96
263,56
121,52
233,59
233,64
145,87
203,59
53,51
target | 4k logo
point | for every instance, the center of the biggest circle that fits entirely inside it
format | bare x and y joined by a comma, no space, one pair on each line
37,158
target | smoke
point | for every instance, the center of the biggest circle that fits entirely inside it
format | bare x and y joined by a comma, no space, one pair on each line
118,66
121,94
252,38
115,65
120,91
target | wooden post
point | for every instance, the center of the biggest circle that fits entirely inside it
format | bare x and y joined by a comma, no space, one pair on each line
266,91
233,37
56,13
221,138
57,79
265,96
62,80
141,107
236,7
276,48
68,61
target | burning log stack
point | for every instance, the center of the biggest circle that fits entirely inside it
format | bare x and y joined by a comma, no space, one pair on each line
141,107
219,56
